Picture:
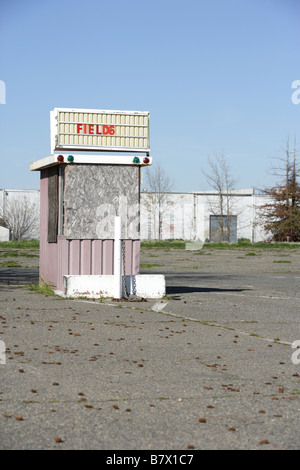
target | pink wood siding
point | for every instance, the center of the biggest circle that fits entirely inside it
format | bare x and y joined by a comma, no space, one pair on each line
86,257
77,256
97,256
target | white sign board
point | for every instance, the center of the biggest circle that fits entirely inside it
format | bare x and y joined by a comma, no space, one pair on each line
99,130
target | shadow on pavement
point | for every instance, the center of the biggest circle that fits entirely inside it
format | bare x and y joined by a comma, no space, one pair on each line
18,277
190,290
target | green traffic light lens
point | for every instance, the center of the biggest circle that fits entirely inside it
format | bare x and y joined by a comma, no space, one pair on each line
70,158
136,160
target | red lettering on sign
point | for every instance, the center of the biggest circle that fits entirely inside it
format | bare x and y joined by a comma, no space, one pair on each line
95,129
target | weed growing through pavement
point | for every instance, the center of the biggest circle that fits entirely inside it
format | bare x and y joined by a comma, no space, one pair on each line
41,289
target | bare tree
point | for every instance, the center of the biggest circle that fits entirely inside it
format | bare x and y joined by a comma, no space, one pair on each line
221,181
159,184
20,216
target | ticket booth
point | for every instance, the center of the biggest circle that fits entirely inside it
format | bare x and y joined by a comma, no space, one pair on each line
92,176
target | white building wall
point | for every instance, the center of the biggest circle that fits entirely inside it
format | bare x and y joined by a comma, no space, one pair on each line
177,216
187,215
4,234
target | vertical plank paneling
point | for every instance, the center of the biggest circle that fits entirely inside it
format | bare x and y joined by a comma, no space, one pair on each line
63,266
74,253
128,257
96,256
136,245
108,257
86,257
79,257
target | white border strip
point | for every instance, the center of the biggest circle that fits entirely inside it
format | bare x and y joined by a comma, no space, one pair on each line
88,159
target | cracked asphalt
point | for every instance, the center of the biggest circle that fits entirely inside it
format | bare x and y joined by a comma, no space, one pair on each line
207,367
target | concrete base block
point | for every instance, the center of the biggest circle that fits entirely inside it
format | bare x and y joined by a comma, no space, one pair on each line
151,286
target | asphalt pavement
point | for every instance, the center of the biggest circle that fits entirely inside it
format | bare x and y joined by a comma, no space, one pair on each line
210,366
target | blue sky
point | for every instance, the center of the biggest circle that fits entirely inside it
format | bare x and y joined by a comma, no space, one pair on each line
216,76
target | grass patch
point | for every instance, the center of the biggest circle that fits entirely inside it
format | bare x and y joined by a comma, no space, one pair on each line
17,254
149,265
263,245
44,289
242,243
180,244
22,244
245,321
282,261
10,264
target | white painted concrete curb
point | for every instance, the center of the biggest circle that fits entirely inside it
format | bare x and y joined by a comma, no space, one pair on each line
152,286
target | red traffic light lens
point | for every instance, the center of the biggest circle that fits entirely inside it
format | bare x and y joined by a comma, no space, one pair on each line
60,158
146,160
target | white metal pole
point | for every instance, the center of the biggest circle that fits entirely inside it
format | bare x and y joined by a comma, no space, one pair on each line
117,260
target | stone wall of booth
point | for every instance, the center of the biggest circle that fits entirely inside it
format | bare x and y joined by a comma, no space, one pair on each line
94,195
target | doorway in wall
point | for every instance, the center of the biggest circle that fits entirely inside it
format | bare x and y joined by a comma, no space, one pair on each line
223,228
